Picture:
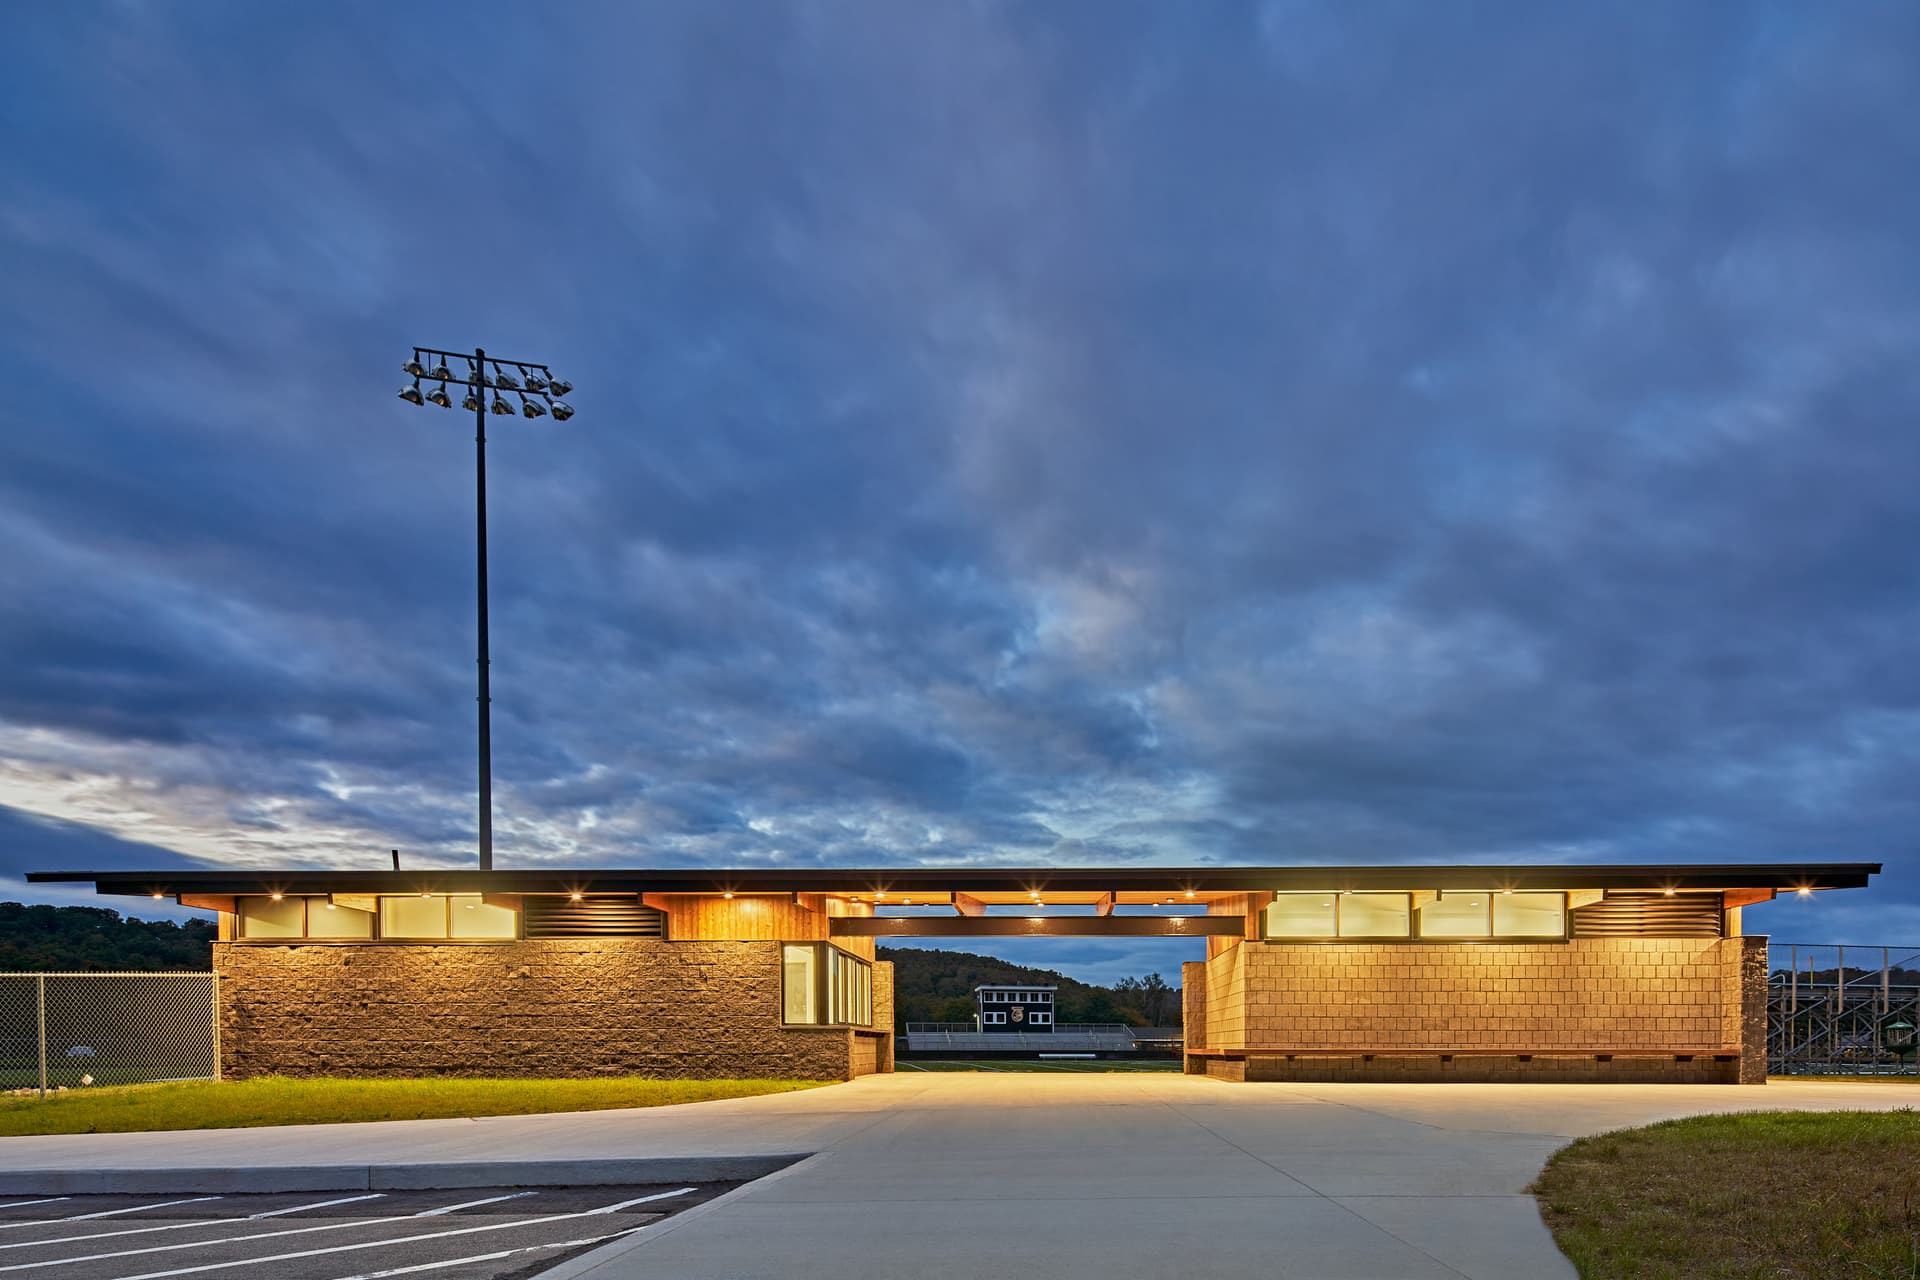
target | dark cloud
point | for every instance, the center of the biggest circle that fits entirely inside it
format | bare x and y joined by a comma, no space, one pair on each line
1011,434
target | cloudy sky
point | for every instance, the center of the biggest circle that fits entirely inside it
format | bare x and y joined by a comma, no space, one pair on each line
1007,433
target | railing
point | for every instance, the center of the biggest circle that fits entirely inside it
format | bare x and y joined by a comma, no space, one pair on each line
1842,1010
1063,1028
78,1030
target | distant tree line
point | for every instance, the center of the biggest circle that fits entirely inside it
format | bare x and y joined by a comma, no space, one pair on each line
94,938
937,986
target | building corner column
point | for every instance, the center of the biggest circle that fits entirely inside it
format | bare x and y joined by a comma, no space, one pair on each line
1193,1015
1753,1009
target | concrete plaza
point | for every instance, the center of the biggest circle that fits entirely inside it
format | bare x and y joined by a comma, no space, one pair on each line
982,1175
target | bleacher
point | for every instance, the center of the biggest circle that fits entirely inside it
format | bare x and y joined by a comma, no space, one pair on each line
1068,1037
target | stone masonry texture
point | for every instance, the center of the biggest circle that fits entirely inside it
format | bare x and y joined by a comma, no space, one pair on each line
546,1007
1638,1001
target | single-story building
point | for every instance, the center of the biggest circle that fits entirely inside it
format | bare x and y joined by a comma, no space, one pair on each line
1554,972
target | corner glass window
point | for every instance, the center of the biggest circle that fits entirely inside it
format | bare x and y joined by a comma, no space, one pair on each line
1375,915
1530,915
267,918
1461,913
1302,915
798,983
331,920
825,986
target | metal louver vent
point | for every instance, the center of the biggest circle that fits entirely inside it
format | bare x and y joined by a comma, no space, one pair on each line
1650,915
607,915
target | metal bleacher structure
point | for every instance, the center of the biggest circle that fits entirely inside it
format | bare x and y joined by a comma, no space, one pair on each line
1840,1010
1067,1037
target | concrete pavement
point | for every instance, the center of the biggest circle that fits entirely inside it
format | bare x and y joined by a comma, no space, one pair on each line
981,1175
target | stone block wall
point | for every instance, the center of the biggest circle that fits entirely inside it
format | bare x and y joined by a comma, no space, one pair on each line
1639,1000
546,1007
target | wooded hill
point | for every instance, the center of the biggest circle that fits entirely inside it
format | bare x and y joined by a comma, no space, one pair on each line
937,986
52,939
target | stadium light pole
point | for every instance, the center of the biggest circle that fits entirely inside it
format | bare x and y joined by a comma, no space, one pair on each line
540,394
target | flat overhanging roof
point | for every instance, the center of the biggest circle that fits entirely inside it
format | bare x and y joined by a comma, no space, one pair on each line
989,884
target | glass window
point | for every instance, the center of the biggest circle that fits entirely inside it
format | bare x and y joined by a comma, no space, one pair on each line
473,918
1462,913
331,920
1530,915
267,918
416,917
1376,915
797,983
1302,915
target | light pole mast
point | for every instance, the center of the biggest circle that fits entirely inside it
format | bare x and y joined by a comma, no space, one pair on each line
539,393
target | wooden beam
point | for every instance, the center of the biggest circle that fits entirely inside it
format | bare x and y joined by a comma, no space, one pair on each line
511,901
208,901
1747,897
968,905
1104,905
658,901
1035,926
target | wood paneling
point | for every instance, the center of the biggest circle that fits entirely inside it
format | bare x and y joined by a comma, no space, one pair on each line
745,917
1650,915
1038,927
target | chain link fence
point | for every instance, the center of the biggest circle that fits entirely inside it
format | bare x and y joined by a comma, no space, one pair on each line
1842,1010
75,1030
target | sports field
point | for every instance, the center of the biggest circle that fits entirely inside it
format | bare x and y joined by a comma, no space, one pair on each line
1076,1065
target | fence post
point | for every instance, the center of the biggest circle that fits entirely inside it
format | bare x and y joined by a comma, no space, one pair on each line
40,1000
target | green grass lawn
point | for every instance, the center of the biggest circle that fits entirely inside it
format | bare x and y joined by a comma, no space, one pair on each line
1765,1194
208,1104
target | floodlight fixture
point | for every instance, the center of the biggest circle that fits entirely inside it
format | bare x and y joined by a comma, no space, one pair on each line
484,376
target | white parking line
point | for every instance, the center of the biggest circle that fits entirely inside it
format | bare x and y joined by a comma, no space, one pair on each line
183,1226
108,1213
368,1244
321,1204
21,1204
329,1226
493,1257
471,1204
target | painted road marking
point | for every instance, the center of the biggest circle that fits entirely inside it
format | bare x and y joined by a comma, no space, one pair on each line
88,1217
330,1226
321,1204
471,1204
369,1244
492,1257
182,1226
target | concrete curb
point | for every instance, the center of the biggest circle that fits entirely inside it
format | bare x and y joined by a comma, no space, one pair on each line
393,1177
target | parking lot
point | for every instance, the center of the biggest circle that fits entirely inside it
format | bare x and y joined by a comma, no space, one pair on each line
471,1234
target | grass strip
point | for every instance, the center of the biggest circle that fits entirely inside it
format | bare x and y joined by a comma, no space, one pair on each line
1779,1195
277,1100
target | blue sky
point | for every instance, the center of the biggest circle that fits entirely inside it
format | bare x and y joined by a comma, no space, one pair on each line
1008,433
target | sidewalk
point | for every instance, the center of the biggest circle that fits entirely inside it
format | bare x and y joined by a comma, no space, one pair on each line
964,1176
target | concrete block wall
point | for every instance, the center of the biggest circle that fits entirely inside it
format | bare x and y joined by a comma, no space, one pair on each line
546,1007
1657,996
